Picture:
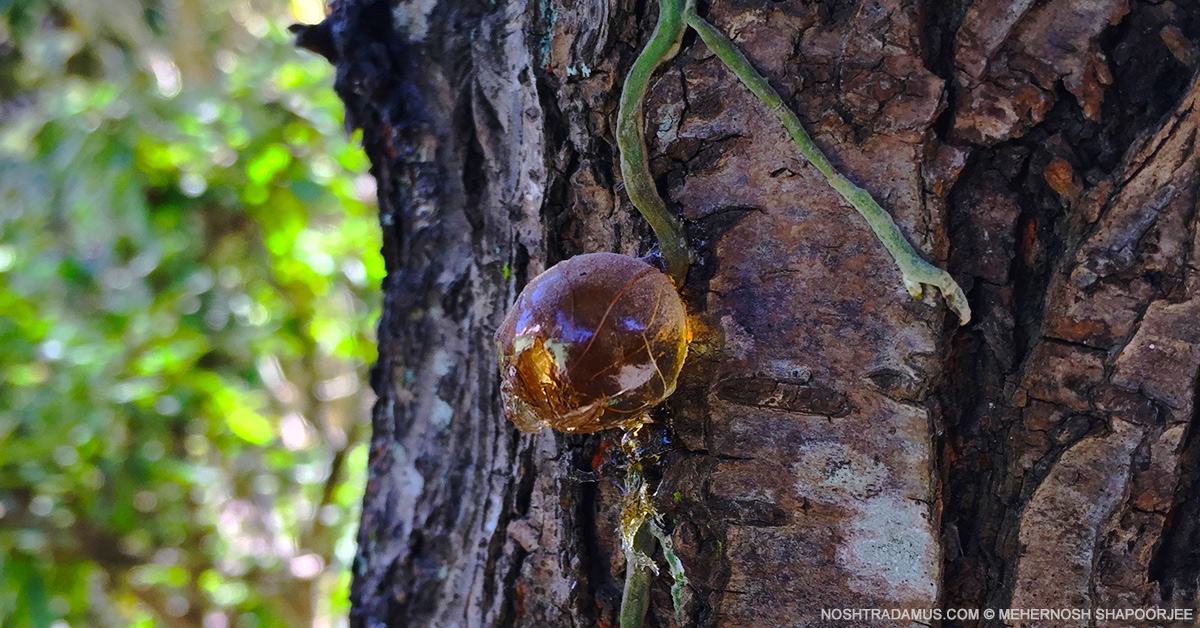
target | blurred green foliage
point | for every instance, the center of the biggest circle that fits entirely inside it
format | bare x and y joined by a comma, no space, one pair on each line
189,270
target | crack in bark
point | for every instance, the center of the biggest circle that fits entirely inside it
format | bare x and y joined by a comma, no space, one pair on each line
1175,566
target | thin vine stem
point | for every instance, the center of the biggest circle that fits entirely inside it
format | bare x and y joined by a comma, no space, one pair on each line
635,599
631,140
637,538
914,270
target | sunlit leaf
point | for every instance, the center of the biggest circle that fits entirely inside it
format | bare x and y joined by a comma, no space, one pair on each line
268,163
249,426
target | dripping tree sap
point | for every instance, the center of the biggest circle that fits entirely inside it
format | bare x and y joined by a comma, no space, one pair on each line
593,343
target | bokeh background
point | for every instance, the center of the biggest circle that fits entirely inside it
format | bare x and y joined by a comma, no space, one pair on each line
189,267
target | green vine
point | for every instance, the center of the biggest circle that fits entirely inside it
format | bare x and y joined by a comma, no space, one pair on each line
916,273
664,43
636,596
637,538
914,270
635,166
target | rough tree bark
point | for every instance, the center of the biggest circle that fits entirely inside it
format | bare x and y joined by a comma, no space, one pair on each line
833,443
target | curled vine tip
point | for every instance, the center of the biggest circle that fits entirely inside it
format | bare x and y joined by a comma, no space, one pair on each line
925,274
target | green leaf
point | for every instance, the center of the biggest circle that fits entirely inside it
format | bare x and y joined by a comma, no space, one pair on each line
263,167
249,426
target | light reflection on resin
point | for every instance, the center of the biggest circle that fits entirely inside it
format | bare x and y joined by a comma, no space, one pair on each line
590,344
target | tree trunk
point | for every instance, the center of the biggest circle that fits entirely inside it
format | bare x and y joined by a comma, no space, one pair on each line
834,443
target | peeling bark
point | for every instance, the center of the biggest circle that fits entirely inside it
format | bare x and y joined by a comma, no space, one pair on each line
833,443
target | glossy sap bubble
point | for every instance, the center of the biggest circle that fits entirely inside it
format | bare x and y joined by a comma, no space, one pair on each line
590,344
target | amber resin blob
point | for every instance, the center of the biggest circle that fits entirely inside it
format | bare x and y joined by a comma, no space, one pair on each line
592,343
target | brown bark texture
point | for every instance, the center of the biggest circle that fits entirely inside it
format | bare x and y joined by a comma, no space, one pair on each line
833,443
